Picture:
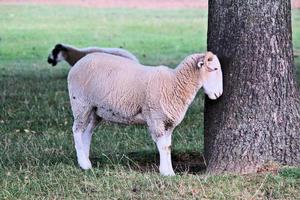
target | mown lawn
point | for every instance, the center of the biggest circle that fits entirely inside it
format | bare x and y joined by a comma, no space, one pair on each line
37,157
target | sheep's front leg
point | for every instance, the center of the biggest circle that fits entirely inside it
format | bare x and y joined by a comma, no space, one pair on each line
164,147
162,135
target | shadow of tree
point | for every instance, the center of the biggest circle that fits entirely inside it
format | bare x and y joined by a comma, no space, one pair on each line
148,161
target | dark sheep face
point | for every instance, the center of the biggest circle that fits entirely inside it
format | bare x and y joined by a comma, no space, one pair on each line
56,54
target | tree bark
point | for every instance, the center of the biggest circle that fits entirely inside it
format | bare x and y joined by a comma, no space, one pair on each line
257,119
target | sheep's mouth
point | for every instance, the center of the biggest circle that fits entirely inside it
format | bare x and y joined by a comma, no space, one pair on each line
52,61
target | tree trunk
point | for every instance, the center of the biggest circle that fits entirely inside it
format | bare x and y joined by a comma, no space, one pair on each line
257,119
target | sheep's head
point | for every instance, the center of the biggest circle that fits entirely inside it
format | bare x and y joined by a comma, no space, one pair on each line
57,54
213,77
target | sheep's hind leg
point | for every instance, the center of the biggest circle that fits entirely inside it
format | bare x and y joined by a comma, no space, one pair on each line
79,126
87,135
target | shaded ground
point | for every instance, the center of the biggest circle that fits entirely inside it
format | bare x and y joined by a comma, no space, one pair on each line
165,4
148,161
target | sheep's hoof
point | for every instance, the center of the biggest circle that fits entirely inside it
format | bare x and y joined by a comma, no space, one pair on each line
85,164
167,173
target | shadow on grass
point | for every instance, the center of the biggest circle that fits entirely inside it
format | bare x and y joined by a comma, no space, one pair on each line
142,161
34,76
148,161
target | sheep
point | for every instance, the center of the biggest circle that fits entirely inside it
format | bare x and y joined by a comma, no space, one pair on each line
111,88
72,54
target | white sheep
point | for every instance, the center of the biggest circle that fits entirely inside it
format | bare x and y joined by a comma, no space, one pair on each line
111,88
72,54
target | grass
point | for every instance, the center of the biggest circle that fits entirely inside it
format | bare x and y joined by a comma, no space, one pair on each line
37,157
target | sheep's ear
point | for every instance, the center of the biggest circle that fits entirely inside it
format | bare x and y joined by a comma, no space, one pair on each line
60,47
200,64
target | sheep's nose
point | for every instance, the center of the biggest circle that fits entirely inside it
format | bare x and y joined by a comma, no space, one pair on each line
220,94
51,61
212,96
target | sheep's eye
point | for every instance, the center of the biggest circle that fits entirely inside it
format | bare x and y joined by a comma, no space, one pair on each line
210,59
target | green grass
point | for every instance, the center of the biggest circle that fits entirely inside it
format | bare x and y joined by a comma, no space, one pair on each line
296,41
37,156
